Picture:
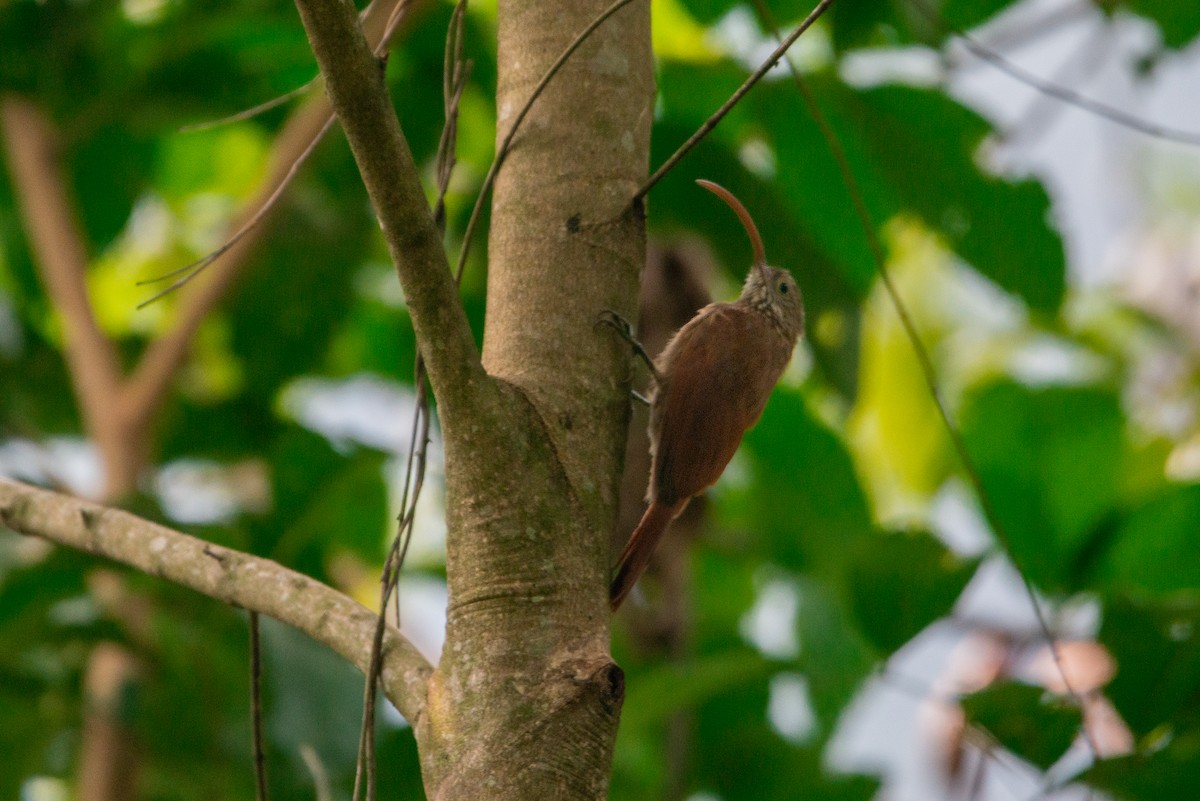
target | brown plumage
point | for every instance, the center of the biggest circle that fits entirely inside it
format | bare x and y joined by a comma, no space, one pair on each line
716,375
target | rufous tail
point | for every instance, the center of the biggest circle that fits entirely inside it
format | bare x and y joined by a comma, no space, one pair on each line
636,556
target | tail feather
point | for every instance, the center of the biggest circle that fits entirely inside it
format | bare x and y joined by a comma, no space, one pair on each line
642,543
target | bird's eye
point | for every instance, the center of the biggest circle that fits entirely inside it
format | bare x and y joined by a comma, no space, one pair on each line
783,288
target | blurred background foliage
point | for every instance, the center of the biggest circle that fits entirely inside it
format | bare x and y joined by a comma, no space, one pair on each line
844,539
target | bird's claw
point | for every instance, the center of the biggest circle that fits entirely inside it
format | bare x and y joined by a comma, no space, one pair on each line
616,322
624,330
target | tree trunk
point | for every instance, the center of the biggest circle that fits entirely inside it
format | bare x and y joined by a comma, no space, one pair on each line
525,701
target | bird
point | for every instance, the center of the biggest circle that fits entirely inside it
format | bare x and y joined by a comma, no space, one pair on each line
711,384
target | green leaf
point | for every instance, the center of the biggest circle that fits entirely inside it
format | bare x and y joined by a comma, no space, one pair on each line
1179,22
1049,460
323,500
709,11
1022,721
313,698
900,583
658,696
109,171
1156,646
912,151
1000,227
347,509
833,656
1154,548
737,754
303,271
1172,771
806,503
878,23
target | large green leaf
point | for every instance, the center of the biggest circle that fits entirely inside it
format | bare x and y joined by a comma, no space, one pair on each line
834,658
1049,460
322,500
878,23
900,583
708,11
966,14
739,757
677,686
807,508
913,151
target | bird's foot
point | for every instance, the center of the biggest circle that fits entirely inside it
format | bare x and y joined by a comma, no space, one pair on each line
624,330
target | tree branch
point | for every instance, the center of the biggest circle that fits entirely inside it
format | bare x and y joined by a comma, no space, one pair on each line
237,578
61,258
354,81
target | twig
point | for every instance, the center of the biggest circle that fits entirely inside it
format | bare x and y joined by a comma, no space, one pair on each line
506,145
1041,113
1099,109
720,113
251,112
393,22
1017,33
256,712
162,358
454,80
233,577
398,15
195,268
928,371
268,204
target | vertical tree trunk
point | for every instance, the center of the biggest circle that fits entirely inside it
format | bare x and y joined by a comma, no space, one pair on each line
525,701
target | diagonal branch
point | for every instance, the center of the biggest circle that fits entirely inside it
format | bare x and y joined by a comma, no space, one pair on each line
239,579
354,81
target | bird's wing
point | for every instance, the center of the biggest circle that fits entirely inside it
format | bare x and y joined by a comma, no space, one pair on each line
721,368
